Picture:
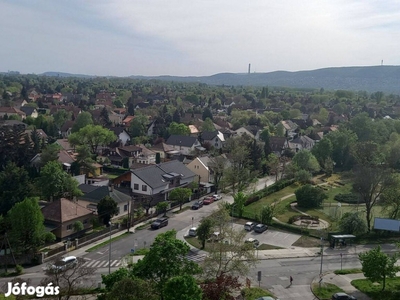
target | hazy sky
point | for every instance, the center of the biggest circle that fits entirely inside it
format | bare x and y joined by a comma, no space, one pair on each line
195,37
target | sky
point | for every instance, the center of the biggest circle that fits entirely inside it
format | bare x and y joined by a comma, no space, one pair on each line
195,37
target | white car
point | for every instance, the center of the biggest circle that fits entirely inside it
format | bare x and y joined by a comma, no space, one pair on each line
64,264
217,197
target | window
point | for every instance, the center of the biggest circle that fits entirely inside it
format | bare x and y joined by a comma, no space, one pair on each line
85,221
135,186
144,188
125,207
69,227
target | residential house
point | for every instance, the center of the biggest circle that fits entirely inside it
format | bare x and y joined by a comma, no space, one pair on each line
40,133
127,121
118,154
301,142
152,128
33,96
66,128
122,134
94,194
186,145
29,111
199,166
157,181
11,111
64,144
66,158
164,150
252,131
193,130
142,105
115,118
61,215
74,110
146,156
19,103
105,96
290,128
215,138
278,145
13,123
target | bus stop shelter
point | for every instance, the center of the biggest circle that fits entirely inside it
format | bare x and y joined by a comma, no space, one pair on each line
341,240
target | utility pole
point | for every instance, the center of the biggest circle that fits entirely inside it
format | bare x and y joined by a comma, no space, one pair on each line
322,259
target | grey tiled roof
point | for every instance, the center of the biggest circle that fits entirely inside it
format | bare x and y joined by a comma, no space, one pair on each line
181,140
152,175
96,195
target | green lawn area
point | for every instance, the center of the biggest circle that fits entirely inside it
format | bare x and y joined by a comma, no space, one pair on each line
255,292
332,190
250,210
326,291
391,292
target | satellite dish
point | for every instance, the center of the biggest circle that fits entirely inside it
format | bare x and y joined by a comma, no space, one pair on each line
339,204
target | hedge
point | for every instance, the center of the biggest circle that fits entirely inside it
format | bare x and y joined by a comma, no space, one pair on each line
277,186
115,170
348,198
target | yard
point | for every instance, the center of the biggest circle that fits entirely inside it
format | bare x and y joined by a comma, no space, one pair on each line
391,292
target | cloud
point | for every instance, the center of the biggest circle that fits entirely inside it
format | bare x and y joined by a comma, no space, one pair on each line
180,37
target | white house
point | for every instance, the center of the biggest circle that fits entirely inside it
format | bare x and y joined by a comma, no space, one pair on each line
215,138
184,144
121,133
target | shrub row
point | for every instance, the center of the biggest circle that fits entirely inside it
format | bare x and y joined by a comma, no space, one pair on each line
348,198
277,186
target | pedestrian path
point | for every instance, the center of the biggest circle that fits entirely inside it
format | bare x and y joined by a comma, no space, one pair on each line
195,257
93,263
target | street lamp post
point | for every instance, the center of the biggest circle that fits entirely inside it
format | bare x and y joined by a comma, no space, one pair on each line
233,205
322,259
109,252
192,221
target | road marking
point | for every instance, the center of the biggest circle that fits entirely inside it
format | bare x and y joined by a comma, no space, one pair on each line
95,264
114,262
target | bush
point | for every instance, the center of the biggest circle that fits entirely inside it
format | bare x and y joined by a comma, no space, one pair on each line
310,197
19,269
348,198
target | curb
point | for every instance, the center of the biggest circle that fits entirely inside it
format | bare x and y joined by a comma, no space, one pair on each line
316,280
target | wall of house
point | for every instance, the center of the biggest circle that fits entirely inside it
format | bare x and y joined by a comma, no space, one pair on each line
140,183
66,229
198,168
124,137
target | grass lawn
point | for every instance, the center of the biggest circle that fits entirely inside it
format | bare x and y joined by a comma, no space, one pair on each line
391,292
332,190
250,210
184,208
347,271
255,292
268,247
326,291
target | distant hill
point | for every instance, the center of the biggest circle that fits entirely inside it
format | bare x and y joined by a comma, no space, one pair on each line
370,79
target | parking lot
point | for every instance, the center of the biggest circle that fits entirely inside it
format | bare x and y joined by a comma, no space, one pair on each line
272,237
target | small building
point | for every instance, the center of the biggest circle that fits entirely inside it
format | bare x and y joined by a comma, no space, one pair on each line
61,215
186,145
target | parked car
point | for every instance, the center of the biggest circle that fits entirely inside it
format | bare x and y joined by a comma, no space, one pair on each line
159,223
64,264
260,228
208,200
255,242
197,205
342,296
217,197
193,231
215,237
249,226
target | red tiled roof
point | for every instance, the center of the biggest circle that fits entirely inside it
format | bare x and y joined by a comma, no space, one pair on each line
64,210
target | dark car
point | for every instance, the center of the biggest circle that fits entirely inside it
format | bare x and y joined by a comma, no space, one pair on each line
342,296
159,223
260,228
197,205
208,200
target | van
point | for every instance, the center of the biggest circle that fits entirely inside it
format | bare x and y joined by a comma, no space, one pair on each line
64,264
193,231
215,237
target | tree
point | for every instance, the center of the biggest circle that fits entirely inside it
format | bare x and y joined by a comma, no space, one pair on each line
273,163
267,213
239,199
265,137
342,140
49,153
180,195
70,280
92,136
138,126
60,117
221,288
305,160
84,119
104,117
204,231
303,176
78,226
390,199
207,114
178,129
162,207
131,288
107,208
241,255
55,183
208,125
310,197
166,259
176,117
217,164
84,160
28,232
158,158
322,151
182,287
352,223
15,186
111,279
377,265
